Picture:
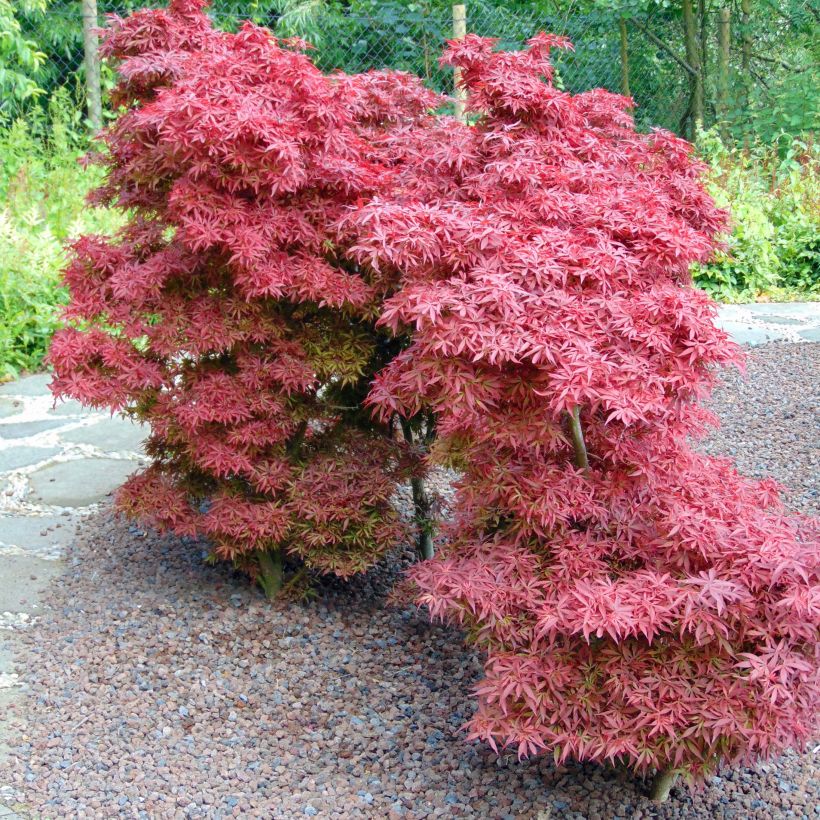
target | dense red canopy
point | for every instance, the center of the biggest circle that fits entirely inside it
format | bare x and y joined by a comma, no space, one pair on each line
224,314
636,600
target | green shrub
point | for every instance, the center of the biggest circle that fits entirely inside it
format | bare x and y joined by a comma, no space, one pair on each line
29,293
42,188
773,194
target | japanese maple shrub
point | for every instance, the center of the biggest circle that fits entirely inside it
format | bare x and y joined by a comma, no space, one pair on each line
224,314
637,601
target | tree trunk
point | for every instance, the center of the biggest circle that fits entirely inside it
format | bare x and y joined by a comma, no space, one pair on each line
724,34
662,785
703,29
271,572
578,443
693,58
746,80
746,47
93,93
624,59
421,504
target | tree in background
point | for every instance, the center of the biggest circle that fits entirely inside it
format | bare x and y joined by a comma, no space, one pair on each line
636,601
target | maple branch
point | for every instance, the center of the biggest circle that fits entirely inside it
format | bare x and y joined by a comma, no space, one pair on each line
430,432
581,457
653,38
783,63
759,78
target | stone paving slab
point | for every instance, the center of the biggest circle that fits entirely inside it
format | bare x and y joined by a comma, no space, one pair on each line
36,385
110,435
12,458
24,580
44,536
27,429
68,408
763,322
79,483
9,407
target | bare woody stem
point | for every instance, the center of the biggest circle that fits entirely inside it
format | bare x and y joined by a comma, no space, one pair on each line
581,458
421,502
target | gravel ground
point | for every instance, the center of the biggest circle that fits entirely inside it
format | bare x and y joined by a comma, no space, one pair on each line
166,688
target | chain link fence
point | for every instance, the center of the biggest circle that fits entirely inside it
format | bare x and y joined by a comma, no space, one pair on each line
768,69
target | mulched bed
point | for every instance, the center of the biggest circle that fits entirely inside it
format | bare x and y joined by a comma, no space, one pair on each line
162,687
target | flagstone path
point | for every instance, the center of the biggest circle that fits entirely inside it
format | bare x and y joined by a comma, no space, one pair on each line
58,463
759,323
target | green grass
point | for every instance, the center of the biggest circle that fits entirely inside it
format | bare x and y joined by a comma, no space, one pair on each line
42,191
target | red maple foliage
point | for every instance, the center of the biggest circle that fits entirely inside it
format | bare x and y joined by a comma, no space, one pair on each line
225,314
637,601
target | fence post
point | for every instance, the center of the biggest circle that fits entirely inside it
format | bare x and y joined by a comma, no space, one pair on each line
93,91
624,58
723,68
459,31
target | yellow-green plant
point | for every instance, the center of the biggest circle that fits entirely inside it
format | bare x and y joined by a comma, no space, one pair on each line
773,249
42,190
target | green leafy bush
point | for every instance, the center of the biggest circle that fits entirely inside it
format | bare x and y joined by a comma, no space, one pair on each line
42,188
29,292
773,194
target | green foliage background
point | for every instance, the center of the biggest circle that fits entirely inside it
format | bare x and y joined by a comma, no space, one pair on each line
773,194
41,49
